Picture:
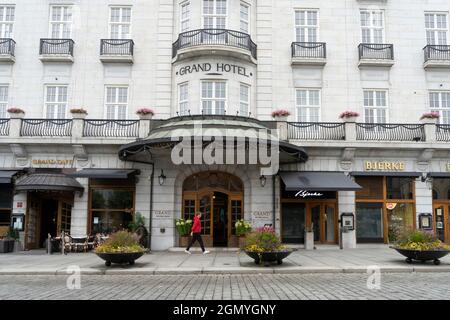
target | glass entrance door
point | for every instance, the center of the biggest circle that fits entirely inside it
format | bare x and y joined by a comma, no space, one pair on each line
322,218
293,222
441,221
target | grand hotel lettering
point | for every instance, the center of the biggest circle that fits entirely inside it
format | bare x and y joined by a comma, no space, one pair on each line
214,69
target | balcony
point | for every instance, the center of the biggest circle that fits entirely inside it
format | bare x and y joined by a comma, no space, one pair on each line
111,128
436,56
4,127
316,131
7,48
309,53
213,42
117,50
46,128
390,132
56,50
376,55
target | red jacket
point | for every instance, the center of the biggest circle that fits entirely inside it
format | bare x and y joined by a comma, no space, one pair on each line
197,226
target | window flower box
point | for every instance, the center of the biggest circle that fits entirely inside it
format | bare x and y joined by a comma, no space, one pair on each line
281,115
145,113
16,113
349,116
78,113
429,117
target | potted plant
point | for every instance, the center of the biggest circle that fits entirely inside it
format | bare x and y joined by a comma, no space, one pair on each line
349,116
13,235
242,229
16,113
184,229
430,117
7,242
138,227
264,246
421,245
281,114
145,113
309,237
78,113
121,247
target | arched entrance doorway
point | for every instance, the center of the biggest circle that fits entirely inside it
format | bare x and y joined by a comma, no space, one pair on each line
219,197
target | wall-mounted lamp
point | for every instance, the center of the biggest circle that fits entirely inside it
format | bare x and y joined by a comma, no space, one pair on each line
262,180
426,177
161,178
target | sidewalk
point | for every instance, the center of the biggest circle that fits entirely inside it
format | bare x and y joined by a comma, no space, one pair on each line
326,259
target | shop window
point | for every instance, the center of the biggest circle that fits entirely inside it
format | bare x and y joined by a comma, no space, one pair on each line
369,221
441,189
435,194
66,217
5,206
236,214
400,219
399,188
111,209
372,188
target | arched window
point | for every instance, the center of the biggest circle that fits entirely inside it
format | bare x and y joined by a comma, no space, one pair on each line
435,194
213,180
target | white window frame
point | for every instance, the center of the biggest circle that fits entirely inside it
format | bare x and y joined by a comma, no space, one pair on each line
183,101
308,106
7,26
183,19
440,109
306,26
116,103
214,98
4,103
61,23
120,23
56,102
436,30
371,27
241,21
215,15
242,102
376,108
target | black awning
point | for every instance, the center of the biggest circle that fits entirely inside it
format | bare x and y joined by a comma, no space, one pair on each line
7,175
385,174
48,182
439,174
105,173
318,181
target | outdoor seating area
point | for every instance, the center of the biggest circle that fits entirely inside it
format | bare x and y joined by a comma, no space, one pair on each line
66,243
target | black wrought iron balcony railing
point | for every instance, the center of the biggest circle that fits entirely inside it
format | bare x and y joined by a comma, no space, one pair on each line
224,37
7,46
56,47
4,127
390,132
111,128
376,51
443,132
437,52
309,50
116,47
316,131
46,128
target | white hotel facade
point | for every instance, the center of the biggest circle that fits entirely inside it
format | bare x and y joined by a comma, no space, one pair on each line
225,64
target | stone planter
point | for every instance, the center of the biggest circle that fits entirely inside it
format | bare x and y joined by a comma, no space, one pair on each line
429,121
349,119
148,116
6,246
309,240
14,115
422,255
120,258
281,118
184,241
268,257
79,115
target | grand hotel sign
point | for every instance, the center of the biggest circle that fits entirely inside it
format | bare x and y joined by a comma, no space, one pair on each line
217,68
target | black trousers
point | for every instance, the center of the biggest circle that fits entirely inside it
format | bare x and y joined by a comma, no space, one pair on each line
196,237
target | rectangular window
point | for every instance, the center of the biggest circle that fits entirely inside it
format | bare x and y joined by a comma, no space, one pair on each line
440,102
399,188
185,13
183,99
436,25
308,105
7,16
244,98
4,92
116,103
120,23
55,102
60,22
215,14
214,97
375,106
306,25
245,17
372,26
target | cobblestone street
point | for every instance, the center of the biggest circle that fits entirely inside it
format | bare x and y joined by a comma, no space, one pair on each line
235,287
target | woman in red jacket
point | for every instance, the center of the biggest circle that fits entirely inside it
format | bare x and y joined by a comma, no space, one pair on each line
196,234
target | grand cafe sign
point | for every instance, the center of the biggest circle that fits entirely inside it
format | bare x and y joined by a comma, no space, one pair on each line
218,68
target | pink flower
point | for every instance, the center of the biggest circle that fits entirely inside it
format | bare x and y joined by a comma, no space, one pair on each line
349,114
15,110
280,113
78,110
430,115
145,111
